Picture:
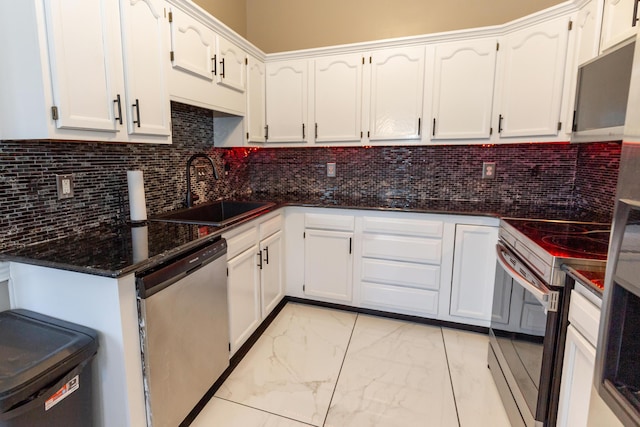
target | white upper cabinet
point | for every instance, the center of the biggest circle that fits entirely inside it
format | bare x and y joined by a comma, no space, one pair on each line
256,115
207,70
86,70
287,94
530,80
396,89
232,65
587,25
620,22
78,68
192,45
146,66
463,89
338,98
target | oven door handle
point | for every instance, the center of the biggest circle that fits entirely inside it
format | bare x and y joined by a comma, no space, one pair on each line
540,292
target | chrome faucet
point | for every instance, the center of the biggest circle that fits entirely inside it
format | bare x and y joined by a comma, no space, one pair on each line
189,199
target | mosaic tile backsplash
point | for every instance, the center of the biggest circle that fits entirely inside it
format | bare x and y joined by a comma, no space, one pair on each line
556,175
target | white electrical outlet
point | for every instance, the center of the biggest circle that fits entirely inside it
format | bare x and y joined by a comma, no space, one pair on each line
64,184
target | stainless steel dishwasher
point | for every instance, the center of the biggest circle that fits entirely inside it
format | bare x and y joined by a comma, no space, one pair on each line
184,331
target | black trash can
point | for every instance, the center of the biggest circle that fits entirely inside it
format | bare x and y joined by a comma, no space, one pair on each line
45,371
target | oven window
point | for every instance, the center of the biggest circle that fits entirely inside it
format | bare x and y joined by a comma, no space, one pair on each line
518,328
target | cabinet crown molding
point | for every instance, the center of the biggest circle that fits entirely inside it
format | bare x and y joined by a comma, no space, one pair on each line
561,9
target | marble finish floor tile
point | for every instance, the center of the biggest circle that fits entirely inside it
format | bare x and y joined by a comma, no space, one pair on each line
293,368
475,392
219,412
395,374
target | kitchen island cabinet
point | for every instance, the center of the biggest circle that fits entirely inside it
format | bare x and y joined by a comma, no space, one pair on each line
107,305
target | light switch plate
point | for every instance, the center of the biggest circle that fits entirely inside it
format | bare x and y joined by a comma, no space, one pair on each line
64,185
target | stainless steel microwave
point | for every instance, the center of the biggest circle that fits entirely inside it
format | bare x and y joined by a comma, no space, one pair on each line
601,95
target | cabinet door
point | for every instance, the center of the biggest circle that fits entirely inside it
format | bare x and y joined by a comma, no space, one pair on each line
587,27
619,22
146,65
396,93
256,115
463,89
287,101
531,82
577,377
232,67
86,69
328,264
243,286
474,266
192,46
271,274
338,98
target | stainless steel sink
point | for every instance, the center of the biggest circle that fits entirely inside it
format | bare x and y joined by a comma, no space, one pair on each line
215,214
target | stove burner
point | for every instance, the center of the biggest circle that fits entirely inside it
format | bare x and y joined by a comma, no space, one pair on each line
578,244
555,227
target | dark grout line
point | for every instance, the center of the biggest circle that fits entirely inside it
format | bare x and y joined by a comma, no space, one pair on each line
346,350
453,392
262,410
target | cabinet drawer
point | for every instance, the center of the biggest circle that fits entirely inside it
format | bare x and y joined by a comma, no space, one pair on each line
402,248
421,276
585,317
270,226
241,242
408,227
329,222
400,299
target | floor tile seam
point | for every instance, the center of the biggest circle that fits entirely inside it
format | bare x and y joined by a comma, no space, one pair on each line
453,391
335,386
264,411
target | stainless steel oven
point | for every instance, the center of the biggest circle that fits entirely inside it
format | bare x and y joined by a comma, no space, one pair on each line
617,376
530,311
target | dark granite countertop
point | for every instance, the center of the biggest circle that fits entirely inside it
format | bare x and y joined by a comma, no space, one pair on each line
115,251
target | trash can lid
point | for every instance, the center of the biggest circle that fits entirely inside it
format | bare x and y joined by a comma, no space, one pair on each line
36,350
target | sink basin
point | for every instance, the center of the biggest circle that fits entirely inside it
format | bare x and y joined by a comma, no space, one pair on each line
215,214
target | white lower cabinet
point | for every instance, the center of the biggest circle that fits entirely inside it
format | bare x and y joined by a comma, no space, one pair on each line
254,276
399,262
328,259
474,271
579,404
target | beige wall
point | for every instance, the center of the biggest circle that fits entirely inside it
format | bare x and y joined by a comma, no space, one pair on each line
282,25
232,12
